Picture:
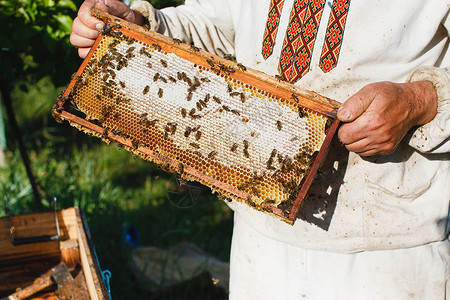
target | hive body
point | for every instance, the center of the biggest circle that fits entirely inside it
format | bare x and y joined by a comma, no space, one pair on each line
203,117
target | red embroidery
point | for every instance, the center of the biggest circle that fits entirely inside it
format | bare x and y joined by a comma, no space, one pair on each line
334,35
271,30
300,37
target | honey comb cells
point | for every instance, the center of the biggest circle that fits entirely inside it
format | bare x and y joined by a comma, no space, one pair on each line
201,116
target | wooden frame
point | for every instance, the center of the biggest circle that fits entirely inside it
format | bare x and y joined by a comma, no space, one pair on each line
279,89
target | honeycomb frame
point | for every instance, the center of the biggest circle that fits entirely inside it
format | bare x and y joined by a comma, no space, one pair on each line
246,135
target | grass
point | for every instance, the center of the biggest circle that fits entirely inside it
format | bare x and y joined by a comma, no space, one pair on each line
112,188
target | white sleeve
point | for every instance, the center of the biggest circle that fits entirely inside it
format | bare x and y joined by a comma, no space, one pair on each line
434,137
204,23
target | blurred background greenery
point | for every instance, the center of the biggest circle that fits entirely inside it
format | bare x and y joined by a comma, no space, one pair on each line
115,190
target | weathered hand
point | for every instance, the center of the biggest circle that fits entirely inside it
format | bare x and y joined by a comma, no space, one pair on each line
85,28
378,116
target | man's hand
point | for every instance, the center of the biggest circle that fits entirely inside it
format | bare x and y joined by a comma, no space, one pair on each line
378,116
85,28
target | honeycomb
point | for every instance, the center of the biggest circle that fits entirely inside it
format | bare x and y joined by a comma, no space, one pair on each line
200,116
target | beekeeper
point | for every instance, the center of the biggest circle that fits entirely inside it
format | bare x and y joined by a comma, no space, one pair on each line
376,222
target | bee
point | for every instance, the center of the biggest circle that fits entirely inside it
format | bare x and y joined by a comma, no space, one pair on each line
255,191
144,130
163,63
245,142
163,79
142,117
302,113
146,53
160,92
146,89
228,70
98,97
234,147
228,56
212,154
327,126
107,91
105,134
279,125
179,76
116,116
176,41
242,186
236,112
183,112
189,96
157,47
269,164
156,77
246,154
134,144
198,153
196,128
217,99
195,49
215,70
173,128
242,67
275,174
204,79
294,96
153,122
105,77
242,97
269,201
196,146
198,135
202,103
129,55
83,81
207,97
172,79
232,94
279,78
122,84
199,106
180,168
149,65
257,177
118,132
131,49
192,88
166,135
273,153
147,27
280,158
192,112
226,108
188,131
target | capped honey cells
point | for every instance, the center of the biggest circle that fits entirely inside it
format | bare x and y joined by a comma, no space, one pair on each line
197,119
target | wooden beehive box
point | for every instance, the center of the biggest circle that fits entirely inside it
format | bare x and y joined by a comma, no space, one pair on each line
35,250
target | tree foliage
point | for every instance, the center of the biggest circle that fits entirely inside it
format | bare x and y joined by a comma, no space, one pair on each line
34,39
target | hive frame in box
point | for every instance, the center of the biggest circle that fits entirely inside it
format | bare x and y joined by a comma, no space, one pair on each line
247,81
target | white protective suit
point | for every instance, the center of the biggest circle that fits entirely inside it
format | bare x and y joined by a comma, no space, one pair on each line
372,227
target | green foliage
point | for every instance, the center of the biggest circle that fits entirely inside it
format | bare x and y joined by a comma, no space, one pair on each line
34,39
